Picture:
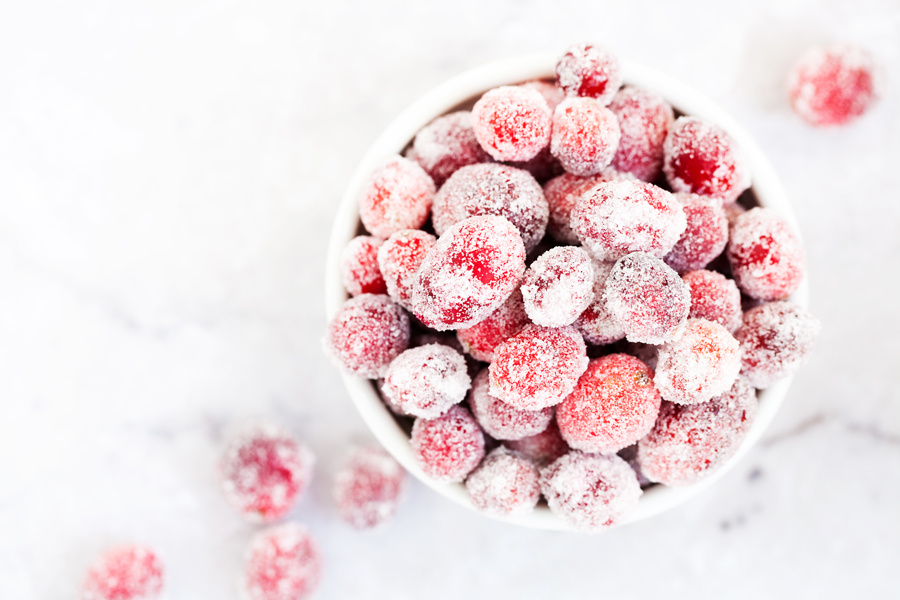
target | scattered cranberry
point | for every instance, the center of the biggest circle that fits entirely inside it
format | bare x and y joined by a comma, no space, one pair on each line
589,70
500,420
705,236
480,340
776,339
427,380
128,572
766,258
542,448
644,119
366,334
449,447
558,286
505,483
283,563
369,487
715,298
359,267
512,122
397,196
399,259
585,136
446,144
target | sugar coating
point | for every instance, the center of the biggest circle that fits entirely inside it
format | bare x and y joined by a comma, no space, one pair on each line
397,196
647,298
595,323
369,487
776,339
366,334
446,144
644,120
585,136
542,448
500,420
128,572
690,442
283,563
589,70
558,286
705,236
766,257
538,367
493,189
427,380
614,405
505,483
512,122
617,217
562,192
551,92
359,266
449,447
591,492
469,273
715,298
480,340
701,363
834,85
265,471
399,259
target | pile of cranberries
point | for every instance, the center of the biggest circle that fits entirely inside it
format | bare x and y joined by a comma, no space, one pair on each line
540,324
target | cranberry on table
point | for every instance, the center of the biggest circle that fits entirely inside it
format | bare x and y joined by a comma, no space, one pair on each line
614,405
427,380
283,563
776,339
541,448
359,266
449,447
366,334
265,471
397,196
369,488
589,70
558,286
128,572
512,122
690,442
705,236
585,136
399,259
480,340
500,420
644,120
766,257
505,483
446,144
715,298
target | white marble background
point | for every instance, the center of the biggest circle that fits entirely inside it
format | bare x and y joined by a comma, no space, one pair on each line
168,175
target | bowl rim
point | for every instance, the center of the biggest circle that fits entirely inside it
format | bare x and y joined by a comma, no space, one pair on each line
461,88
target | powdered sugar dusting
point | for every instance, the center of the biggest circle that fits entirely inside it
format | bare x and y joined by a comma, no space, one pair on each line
512,122
776,339
644,120
397,196
585,136
449,447
715,298
506,483
589,70
558,286
399,259
766,258
427,380
369,487
359,266
283,563
500,420
366,334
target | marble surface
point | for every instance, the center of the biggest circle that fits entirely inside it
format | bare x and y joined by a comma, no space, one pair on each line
168,176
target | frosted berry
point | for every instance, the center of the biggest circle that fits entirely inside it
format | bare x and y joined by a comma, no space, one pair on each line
359,267
644,119
480,340
265,472
551,92
129,572
590,492
776,339
834,85
766,257
688,443
561,193
493,189
702,158
369,487
595,323
614,405
715,298
283,563
449,447
542,448
538,367
366,334
558,286
647,298
500,420
512,122
589,70
427,380
505,483
615,218
470,272
397,196
705,236
399,259
446,144
585,136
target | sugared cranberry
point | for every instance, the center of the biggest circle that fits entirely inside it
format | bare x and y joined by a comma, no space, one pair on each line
500,420
538,367
265,471
493,189
427,380
688,443
469,273
542,448
129,572
589,70
647,298
834,85
512,122
615,218
558,286
591,492
705,236
359,267
715,298
446,144
449,447
561,193
283,563
399,259
766,257
369,487
585,136
480,340
366,334
397,196
644,119
776,339
595,323
702,158
505,483
551,92
614,405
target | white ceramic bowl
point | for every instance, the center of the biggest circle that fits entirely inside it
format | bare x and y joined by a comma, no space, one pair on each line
467,87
